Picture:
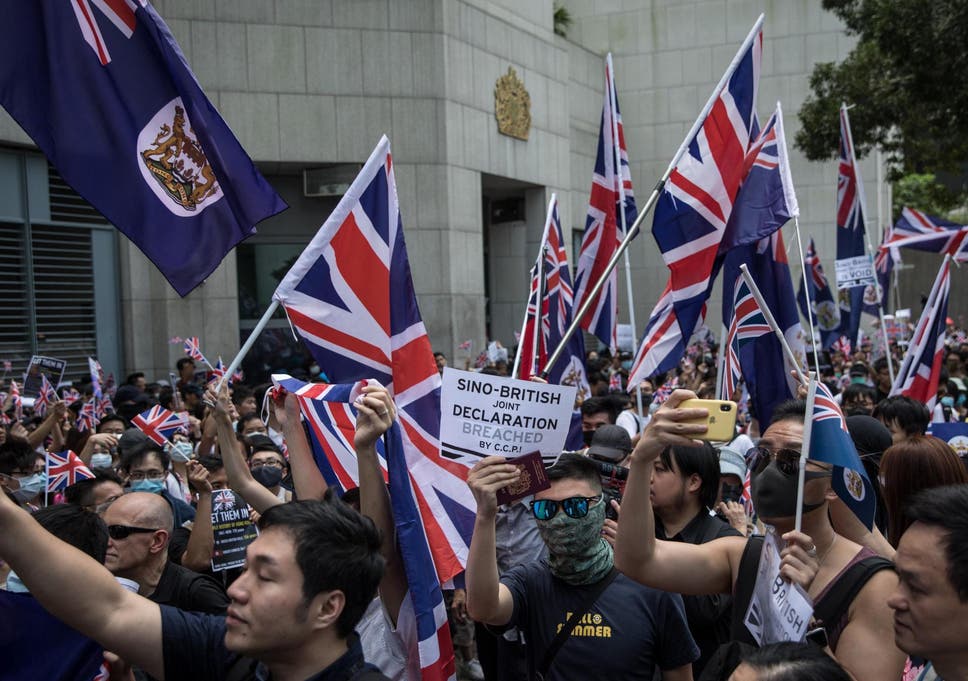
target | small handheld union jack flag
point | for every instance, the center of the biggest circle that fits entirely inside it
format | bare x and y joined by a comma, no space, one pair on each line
16,402
64,469
69,396
193,350
159,423
45,396
466,345
88,417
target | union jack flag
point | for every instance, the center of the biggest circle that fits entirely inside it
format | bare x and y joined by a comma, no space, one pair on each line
842,345
830,442
481,361
921,370
662,342
193,350
104,407
45,396
219,370
88,419
611,199
748,323
16,402
556,310
850,225
615,382
69,396
64,469
694,209
160,424
97,376
466,345
119,12
223,500
920,231
176,340
350,296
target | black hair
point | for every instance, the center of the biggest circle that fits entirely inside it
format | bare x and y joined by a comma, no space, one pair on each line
211,463
880,364
112,416
137,453
909,415
702,461
82,491
947,509
133,378
258,442
595,405
575,467
790,410
190,389
795,662
245,418
77,526
240,393
182,362
16,454
336,549
855,392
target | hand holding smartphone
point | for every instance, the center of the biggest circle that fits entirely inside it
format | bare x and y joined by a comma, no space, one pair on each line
721,421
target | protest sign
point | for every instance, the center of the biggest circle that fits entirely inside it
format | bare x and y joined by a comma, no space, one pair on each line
51,367
857,271
485,415
232,528
778,611
625,339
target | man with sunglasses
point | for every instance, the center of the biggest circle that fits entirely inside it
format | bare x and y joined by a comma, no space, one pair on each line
859,634
625,633
140,525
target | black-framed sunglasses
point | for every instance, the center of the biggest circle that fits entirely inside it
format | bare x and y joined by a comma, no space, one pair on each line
125,531
759,457
574,507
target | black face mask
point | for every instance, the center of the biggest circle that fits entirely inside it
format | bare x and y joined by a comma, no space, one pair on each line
732,492
267,476
586,436
775,492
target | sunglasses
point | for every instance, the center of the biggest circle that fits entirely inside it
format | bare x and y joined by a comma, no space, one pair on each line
574,507
124,531
758,458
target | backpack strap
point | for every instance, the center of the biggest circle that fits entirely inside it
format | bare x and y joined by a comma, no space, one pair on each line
833,606
743,589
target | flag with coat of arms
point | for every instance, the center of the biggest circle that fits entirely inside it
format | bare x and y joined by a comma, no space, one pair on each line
350,297
104,90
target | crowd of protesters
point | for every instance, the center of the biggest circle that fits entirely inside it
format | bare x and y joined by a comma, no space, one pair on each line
637,563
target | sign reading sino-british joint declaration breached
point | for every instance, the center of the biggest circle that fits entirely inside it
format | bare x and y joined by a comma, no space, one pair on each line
485,415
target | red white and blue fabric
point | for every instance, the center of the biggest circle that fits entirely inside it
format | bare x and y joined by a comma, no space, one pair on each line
921,370
824,311
850,227
193,350
662,343
160,424
350,297
97,376
692,212
920,231
603,224
830,442
64,469
118,79
884,260
748,323
46,396
556,310
842,345
103,407
69,396
466,345
16,402
219,370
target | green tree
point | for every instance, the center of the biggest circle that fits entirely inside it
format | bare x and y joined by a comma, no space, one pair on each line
924,192
907,79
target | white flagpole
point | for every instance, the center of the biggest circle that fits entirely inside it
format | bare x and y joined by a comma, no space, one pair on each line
721,362
653,197
537,314
538,310
249,342
806,293
805,449
617,168
794,362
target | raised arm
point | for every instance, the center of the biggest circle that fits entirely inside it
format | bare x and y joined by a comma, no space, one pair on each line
201,542
307,479
39,434
488,600
375,415
238,473
671,566
80,591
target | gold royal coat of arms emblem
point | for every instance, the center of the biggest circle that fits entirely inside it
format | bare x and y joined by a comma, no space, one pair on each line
512,106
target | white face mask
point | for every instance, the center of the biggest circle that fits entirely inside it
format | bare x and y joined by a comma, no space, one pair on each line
181,451
101,460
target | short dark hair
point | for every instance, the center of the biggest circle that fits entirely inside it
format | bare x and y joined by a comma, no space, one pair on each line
880,364
240,393
947,508
857,391
82,491
795,662
130,380
909,415
16,454
336,548
183,361
575,467
211,463
702,461
245,418
77,526
113,416
595,405
135,455
790,410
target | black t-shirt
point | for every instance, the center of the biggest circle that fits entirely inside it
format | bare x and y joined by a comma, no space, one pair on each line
629,631
187,590
193,649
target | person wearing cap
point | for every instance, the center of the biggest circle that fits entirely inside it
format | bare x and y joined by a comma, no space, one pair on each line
610,444
732,475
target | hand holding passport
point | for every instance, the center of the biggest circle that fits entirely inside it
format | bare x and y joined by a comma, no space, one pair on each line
533,479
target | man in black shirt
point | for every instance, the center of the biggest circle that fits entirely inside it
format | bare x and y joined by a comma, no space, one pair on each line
310,576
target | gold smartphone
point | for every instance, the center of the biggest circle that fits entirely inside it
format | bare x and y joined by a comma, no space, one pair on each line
721,421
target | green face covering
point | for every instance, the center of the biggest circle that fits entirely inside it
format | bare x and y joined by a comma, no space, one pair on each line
577,553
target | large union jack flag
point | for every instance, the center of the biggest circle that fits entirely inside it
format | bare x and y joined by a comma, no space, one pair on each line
920,231
919,374
64,469
160,424
747,324
611,210
350,296
830,442
556,308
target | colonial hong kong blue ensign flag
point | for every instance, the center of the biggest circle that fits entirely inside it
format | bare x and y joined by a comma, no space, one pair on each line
103,89
850,228
350,296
